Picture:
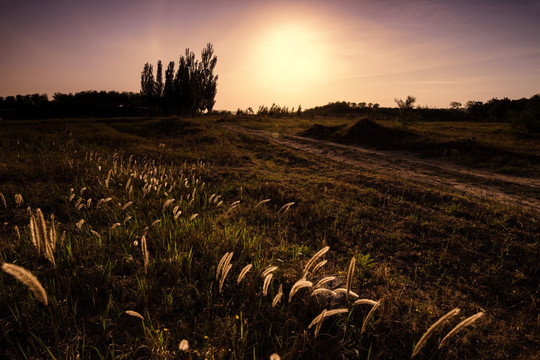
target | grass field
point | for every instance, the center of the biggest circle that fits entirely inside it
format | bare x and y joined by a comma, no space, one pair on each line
146,210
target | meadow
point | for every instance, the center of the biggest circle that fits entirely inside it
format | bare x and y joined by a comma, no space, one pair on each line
170,238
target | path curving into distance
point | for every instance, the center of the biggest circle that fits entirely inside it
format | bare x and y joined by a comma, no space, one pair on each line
395,164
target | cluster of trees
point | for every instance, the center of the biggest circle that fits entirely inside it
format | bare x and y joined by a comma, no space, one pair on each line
189,90
84,103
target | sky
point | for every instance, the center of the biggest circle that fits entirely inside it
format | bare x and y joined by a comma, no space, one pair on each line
289,53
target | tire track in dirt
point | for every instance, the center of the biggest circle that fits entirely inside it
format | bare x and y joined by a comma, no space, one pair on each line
395,164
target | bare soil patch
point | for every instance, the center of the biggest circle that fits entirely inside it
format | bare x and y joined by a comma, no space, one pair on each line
507,189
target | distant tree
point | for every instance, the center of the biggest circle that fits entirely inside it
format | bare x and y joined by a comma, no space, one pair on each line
168,89
159,81
455,105
189,90
147,85
406,110
299,111
528,119
209,80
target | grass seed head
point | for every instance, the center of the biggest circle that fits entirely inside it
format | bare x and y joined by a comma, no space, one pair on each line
28,279
266,283
302,283
420,344
134,314
460,326
243,273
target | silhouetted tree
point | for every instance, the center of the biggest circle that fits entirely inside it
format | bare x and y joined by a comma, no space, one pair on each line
159,82
406,110
147,85
192,89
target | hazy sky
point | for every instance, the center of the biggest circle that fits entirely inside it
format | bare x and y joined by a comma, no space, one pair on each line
284,52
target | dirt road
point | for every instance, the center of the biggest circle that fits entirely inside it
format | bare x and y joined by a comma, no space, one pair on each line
394,164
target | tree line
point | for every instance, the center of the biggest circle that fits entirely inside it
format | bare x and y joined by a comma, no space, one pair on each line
189,90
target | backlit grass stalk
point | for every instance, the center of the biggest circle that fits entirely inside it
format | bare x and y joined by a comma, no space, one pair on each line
314,258
302,283
318,320
145,254
460,326
243,273
28,279
420,344
278,296
3,200
369,316
350,274
266,283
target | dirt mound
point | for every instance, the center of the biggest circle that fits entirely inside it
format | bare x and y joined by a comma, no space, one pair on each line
363,132
319,131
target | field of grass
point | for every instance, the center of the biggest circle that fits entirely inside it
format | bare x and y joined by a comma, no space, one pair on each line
155,219
493,146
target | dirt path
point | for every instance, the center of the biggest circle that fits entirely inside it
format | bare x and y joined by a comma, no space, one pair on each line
480,183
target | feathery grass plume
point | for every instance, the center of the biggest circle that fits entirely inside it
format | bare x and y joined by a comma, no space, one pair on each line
71,197
324,280
318,320
193,216
126,205
344,291
17,232
226,269
82,190
3,200
35,233
220,264
155,222
323,291
350,274
184,345
144,250
129,217
275,356
19,200
243,273
134,314
460,326
28,279
266,283
314,258
420,344
278,296
108,178
319,265
115,225
269,270
262,202
302,283
79,224
95,233
369,316
103,201
88,202
211,198
365,301
286,207
167,204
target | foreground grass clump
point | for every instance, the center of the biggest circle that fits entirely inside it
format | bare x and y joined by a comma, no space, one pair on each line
198,245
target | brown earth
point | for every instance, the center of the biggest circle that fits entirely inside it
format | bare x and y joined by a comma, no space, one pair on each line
510,190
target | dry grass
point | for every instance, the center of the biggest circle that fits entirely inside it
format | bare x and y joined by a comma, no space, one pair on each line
28,279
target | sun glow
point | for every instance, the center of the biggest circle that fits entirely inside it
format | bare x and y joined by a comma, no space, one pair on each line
291,57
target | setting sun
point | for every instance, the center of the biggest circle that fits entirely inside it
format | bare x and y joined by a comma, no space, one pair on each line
291,56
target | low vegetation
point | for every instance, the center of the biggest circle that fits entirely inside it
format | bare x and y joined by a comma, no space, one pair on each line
172,238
